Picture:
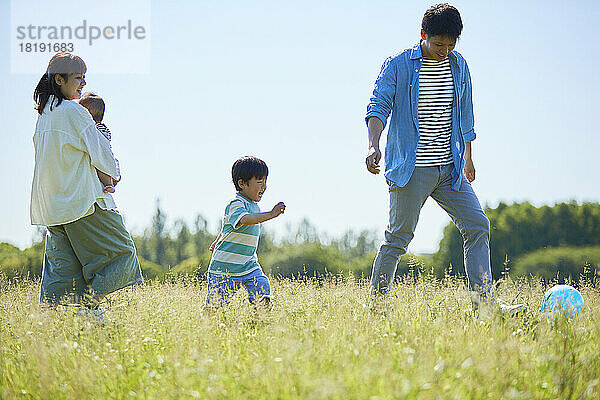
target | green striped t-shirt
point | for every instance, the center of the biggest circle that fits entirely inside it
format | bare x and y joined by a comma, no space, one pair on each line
235,252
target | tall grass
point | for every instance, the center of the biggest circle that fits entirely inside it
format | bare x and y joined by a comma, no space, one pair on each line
319,341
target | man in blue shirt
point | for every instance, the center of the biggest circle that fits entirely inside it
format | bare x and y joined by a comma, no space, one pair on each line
427,91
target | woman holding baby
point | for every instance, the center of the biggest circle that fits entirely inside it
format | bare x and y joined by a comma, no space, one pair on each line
88,252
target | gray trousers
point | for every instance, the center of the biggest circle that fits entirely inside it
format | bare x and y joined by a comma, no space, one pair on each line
464,209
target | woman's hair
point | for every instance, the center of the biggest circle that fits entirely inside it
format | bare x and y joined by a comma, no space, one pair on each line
62,64
94,104
246,168
442,20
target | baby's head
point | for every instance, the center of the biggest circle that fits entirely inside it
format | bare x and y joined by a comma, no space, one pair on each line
94,104
249,175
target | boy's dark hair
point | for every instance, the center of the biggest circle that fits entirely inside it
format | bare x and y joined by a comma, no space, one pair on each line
442,20
94,104
246,168
63,64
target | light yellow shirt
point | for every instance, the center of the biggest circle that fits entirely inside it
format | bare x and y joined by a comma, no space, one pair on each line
68,148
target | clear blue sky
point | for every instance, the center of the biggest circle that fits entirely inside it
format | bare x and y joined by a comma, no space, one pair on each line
289,82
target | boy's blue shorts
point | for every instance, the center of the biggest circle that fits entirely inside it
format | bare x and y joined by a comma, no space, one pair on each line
221,288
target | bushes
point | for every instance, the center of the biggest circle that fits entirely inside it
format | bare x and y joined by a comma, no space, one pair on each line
151,270
196,265
29,262
307,259
15,262
521,228
559,262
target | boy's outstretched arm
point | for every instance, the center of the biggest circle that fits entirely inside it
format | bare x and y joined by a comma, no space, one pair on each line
257,218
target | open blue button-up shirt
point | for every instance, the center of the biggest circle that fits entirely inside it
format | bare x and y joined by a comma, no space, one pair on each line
397,92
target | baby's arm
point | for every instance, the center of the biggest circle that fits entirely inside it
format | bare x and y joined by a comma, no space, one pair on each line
107,181
257,218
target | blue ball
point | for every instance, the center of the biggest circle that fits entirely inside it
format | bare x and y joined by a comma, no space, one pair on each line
562,300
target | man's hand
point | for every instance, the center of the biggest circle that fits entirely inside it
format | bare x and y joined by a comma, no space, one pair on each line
374,128
469,170
373,159
278,209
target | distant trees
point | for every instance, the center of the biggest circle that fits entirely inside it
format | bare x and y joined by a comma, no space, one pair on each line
545,241
301,251
521,228
161,249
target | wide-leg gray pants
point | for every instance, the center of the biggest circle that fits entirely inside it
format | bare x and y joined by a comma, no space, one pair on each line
91,257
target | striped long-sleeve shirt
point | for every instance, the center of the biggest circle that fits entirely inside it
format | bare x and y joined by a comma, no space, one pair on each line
436,95
235,251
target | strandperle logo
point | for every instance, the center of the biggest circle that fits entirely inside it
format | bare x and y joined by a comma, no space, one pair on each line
91,33
111,36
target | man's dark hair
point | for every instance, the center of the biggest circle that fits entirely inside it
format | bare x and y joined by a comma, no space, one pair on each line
246,168
442,20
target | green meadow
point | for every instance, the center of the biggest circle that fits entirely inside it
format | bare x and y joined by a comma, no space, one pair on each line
320,340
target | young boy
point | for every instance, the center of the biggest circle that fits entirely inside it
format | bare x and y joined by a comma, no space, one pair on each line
95,106
234,262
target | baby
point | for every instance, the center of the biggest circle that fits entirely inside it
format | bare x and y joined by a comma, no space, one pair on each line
95,106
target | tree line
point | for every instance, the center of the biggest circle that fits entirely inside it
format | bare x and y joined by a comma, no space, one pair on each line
301,251
545,241
549,241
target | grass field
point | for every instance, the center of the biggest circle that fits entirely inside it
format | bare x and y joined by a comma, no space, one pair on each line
319,341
